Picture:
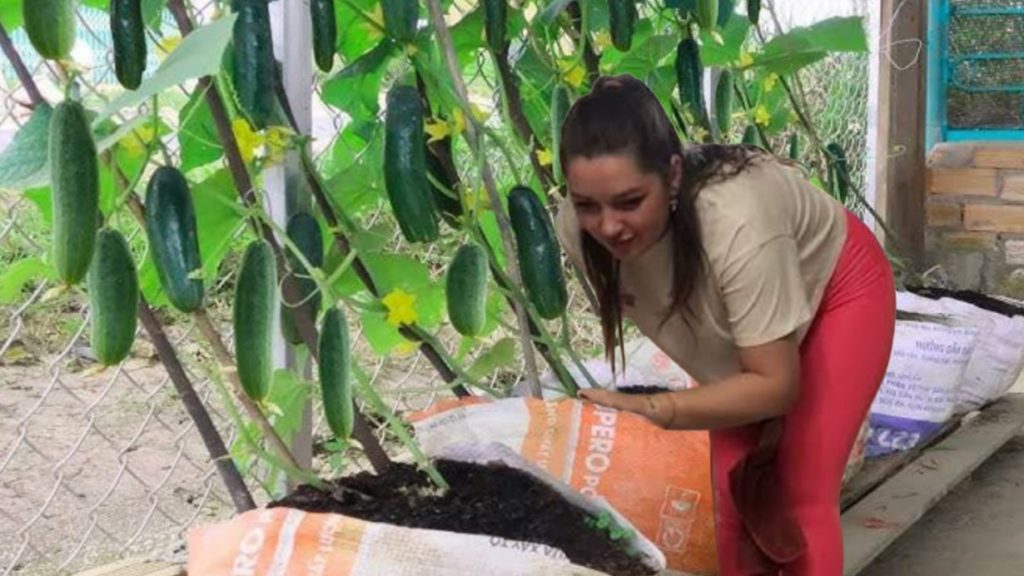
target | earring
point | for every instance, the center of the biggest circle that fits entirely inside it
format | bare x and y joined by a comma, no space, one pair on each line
673,203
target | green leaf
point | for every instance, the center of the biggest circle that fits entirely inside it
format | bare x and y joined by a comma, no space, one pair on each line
199,54
468,36
40,196
10,14
18,275
734,35
26,156
289,394
152,13
217,219
645,57
381,336
355,89
551,12
501,355
356,181
355,34
803,46
197,134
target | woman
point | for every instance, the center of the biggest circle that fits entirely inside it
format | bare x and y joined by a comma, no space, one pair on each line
772,295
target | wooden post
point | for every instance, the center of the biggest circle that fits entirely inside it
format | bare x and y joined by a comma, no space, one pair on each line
902,89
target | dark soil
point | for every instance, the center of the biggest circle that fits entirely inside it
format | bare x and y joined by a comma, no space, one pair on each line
642,389
971,297
493,500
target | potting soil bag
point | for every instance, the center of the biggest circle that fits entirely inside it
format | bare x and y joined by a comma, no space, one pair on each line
289,542
921,384
659,480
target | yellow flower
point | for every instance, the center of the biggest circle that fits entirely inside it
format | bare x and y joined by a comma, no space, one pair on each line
437,129
166,45
406,349
573,73
248,141
769,82
699,134
602,40
277,139
761,115
458,121
135,142
745,59
544,156
400,308
479,114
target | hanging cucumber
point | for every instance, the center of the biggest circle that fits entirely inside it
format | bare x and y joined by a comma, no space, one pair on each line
794,146
754,11
253,314
537,251
325,33
173,240
724,102
253,66
304,231
75,191
335,372
495,18
707,14
840,169
405,166
690,77
129,36
559,110
50,26
113,287
622,20
400,18
466,290
752,136
725,11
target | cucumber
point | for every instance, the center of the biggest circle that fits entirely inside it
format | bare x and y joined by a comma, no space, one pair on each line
449,207
75,191
254,308
752,136
304,231
253,66
840,167
405,166
537,251
754,11
400,18
707,14
325,33
723,101
726,8
622,20
559,109
794,146
173,239
466,290
50,26
113,286
129,36
495,18
335,372
690,77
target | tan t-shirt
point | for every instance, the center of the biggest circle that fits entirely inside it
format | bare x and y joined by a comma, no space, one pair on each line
771,239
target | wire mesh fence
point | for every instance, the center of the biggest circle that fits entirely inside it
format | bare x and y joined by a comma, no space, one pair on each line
99,466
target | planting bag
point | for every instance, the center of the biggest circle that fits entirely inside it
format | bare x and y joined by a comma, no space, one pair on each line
922,382
290,542
659,480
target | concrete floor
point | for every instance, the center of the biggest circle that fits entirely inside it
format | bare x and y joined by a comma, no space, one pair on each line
976,530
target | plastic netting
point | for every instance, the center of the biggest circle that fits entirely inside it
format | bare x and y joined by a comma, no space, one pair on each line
985,64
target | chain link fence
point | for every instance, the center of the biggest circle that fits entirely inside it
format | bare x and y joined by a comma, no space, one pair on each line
97,467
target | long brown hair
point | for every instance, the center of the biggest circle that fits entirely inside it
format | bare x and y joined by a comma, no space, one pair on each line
622,115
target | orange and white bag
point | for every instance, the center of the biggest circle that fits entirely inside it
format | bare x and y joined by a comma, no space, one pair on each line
659,480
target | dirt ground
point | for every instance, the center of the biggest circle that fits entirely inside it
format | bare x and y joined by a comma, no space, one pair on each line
977,529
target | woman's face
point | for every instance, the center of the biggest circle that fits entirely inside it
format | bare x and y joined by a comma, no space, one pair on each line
618,204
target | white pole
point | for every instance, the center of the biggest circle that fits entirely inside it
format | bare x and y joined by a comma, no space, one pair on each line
871,145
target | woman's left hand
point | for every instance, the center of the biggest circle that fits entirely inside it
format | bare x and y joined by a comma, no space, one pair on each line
655,407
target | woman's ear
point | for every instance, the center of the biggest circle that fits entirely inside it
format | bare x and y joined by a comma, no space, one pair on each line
676,171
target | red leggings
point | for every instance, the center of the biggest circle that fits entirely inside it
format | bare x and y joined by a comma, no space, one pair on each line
843,361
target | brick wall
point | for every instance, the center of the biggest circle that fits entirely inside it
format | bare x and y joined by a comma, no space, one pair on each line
975,215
